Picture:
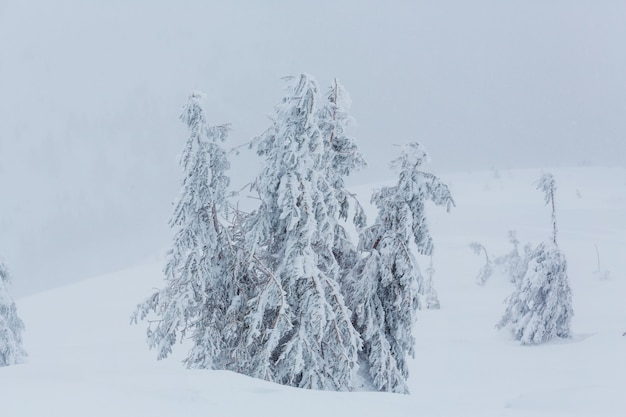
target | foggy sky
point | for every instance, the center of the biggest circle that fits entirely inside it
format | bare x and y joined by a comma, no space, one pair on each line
90,93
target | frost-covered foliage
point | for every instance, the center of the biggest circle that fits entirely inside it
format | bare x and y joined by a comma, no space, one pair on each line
541,306
386,287
11,326
341,158
297,328
199,287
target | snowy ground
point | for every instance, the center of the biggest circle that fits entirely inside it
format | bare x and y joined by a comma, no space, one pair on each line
86,360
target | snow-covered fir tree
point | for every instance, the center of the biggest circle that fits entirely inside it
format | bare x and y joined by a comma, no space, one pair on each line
297,327
11,326
386,286
199,285
540,309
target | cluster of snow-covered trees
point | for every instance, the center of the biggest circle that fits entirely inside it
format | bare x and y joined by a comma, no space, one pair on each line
11,327
282,293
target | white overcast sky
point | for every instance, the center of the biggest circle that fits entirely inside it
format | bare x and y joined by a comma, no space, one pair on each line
90,93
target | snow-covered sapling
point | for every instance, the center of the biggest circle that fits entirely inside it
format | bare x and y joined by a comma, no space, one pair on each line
547,184
541,306
11,326
600,273
487,269
513,264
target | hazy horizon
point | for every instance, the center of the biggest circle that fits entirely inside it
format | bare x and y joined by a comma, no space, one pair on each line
90,94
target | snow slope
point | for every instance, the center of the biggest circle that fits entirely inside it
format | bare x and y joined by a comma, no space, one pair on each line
85,358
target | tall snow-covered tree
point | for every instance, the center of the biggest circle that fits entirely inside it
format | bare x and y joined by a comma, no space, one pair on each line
298,327
541,306
199,285
386,286
11,326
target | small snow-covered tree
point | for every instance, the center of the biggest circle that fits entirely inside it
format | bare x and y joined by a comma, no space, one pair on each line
513,263
297,326
603,274
541,307
199,283
386,286
11,326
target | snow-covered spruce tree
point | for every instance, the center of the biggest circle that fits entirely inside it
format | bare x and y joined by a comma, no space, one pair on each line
11,327
541,307
386,286
198,286
298,329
